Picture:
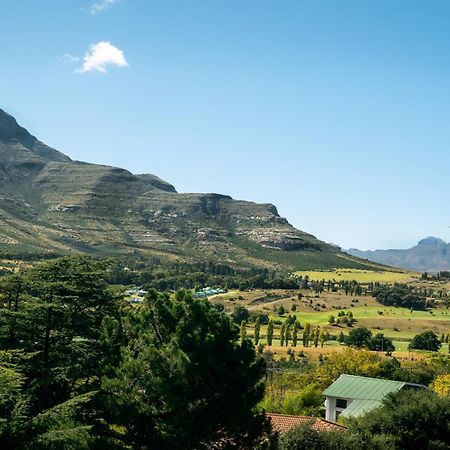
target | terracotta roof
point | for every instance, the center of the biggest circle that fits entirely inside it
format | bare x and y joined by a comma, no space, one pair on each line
283,423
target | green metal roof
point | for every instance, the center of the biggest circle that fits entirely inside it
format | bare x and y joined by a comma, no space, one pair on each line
360,407
362,388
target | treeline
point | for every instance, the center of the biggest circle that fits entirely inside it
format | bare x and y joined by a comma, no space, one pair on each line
152,274
401,295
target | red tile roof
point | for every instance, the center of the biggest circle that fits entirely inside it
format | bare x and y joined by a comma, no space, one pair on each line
283,423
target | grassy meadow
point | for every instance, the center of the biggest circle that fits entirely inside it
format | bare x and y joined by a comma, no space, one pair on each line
359,275
398,324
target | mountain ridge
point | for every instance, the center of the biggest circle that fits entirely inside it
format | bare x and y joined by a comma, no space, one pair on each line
51,204
430,254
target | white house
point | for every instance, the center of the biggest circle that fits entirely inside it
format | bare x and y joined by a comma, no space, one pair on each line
352,396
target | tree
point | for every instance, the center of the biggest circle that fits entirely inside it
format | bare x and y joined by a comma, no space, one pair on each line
316,337
306,334
243,330
240,313
352,362
380,343
257,330
341,337
287,334
58,324
441,385
295,334
359,337
427,340
331,320
410,419
322,338
270,328
306,437
281,310
282,333
184,380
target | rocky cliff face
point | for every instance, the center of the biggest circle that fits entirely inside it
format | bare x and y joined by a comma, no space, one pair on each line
49,203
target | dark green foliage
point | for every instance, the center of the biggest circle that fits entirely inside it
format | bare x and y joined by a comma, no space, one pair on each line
243,330
307,438
380,343
282,333
411,420
257,330
240,314
359,337
80,368
50,321
270,330
295,334
425,341
193,382
56,317
400,295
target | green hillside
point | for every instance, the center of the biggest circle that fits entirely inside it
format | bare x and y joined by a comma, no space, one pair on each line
50,204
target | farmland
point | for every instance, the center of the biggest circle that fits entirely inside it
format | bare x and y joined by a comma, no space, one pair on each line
359,275
398,324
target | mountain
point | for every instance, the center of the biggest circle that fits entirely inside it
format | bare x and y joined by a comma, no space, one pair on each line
52,205
429,255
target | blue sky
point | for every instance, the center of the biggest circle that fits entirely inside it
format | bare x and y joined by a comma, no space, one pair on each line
337,112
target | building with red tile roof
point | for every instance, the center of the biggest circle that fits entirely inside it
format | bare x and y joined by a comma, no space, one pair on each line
282,423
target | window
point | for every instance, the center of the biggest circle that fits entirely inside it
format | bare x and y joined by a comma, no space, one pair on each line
341,403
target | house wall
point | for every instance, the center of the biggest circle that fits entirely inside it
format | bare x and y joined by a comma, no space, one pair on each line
331,410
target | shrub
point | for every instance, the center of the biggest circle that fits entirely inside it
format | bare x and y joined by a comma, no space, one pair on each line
425,341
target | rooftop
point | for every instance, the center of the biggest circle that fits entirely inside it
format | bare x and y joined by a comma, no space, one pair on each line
282,423
362,388
360,407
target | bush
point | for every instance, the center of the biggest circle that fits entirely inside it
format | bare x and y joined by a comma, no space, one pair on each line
411,419
240,314
399,295
425,341
306,438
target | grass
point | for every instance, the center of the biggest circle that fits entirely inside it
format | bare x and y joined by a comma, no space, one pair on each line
398,324
360,275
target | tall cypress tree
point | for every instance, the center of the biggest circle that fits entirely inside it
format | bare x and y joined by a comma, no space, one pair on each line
257,330
270,328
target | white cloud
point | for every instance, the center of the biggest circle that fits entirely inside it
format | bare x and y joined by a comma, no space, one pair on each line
100,6
101,55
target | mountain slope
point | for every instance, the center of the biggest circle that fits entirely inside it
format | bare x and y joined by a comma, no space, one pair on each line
51,204
429,255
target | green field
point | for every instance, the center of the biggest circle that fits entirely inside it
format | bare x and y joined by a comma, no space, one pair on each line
398,324
359,275
395,323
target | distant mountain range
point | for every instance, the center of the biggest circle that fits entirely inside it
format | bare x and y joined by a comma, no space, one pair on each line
52,205
429,255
